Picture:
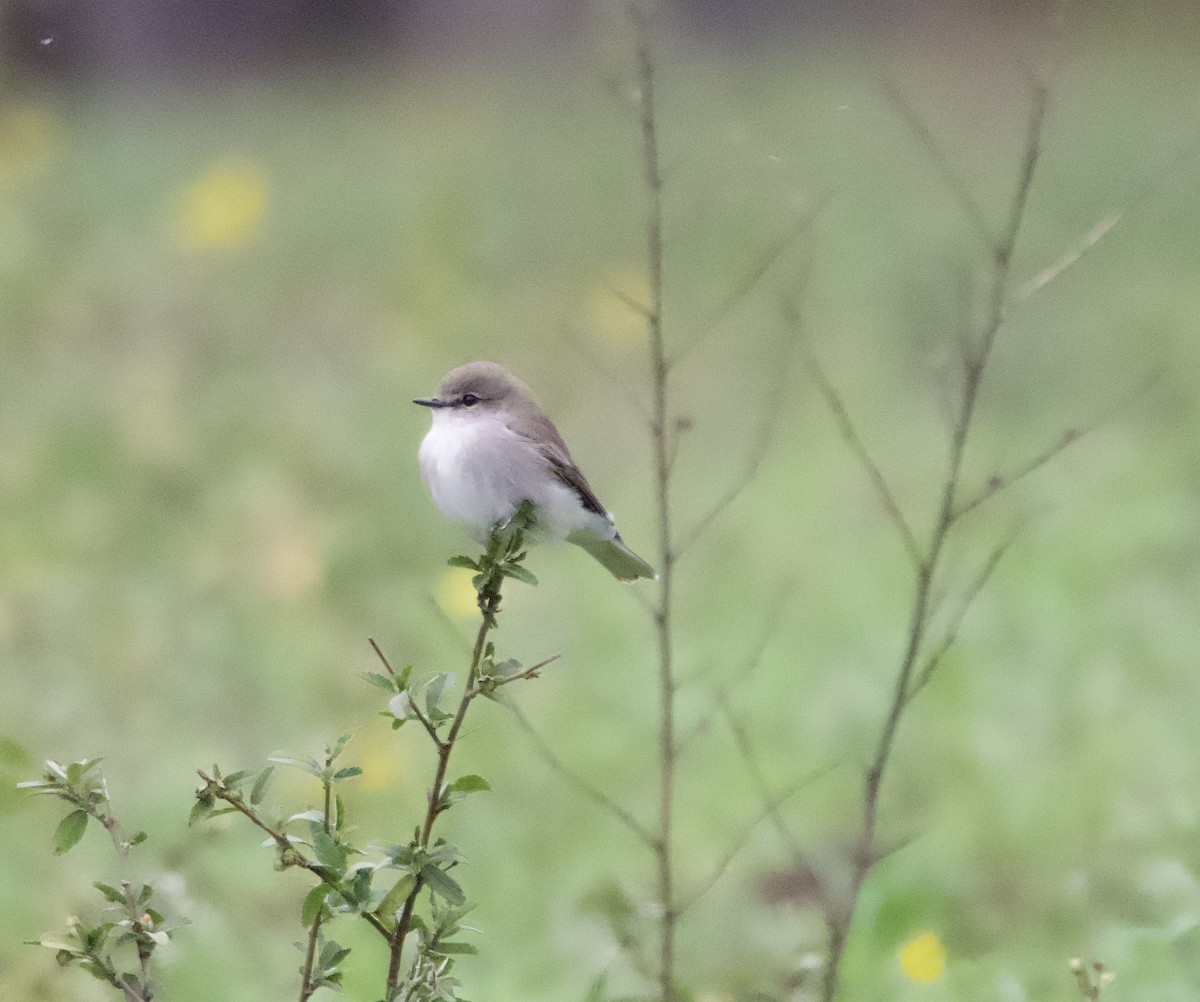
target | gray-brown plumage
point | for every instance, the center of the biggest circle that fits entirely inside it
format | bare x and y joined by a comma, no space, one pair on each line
491,447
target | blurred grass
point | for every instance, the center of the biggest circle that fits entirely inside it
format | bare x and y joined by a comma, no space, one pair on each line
209,494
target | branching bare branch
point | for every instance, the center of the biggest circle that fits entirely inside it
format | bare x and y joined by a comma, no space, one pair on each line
927,561
998,484
950,637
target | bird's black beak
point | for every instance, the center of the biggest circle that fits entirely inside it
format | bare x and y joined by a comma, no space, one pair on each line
432,402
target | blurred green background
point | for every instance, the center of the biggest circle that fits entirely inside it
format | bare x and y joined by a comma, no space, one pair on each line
216,302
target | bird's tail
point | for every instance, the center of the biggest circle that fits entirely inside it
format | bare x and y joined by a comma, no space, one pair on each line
621,561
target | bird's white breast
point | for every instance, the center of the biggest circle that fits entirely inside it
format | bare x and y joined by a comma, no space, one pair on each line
478,471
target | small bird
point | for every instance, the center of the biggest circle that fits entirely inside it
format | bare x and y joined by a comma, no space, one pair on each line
491,447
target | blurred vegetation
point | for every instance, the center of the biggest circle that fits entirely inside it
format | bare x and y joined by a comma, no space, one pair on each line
216,303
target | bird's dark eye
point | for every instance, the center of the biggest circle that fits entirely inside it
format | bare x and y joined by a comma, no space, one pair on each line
469,400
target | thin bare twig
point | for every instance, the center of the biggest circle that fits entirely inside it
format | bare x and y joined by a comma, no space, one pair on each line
769,809
639,308
574,779
530,672
998,484
950,178
775,398
1069,259
755,274
632,400
748,666
841,416
762,789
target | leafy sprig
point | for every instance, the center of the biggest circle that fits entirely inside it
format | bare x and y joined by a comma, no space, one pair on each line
118,948
409,892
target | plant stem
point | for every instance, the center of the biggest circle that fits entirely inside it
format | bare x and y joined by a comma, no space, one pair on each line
307,985
659,371
489,604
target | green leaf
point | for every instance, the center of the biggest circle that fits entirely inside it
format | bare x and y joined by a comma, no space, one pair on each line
469,784
433,693
295,763
457,948
260,785
13,754
442,884
332,954
111,893
348,773
96,970
356,891
339,807
519,573
69,831
380,681
466,562
329,853
394,900
234,778
201,809
444,853
218,811
314,901
137,839
93,939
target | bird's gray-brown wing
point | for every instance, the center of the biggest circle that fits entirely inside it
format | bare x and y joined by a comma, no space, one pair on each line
555,450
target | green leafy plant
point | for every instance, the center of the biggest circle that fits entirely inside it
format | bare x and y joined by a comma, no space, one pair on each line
408,892
118,947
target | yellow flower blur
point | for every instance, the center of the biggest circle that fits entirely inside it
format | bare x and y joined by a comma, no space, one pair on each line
224,208
383,759
29,136
612,308
923,958
455,595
